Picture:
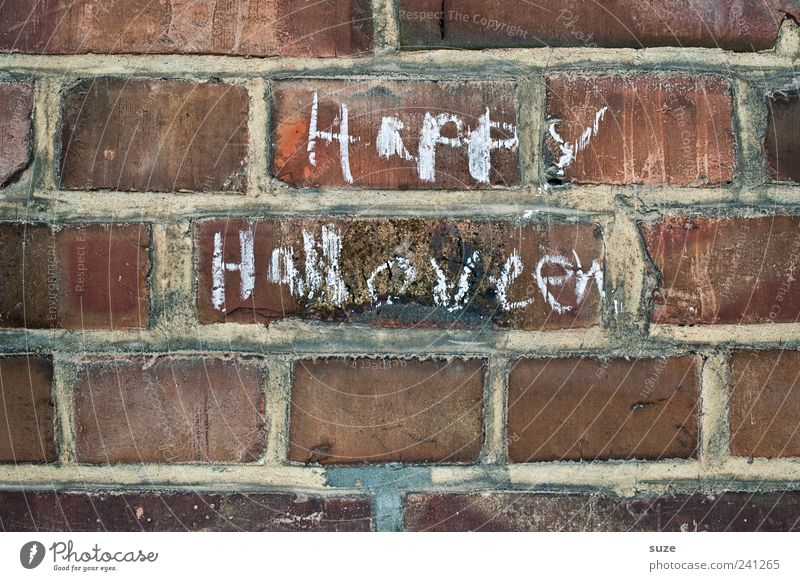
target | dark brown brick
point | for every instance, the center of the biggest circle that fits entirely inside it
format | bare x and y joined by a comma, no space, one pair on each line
26,410
640,129
321,28
780,146
350,411
383,253
587,409
740,26
396,132
765,404
176,512
92,276
725,270
155,135
173,409
730,511
16,106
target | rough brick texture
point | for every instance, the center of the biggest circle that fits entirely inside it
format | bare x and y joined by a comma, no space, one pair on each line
401,272
350,411
154,135
765,403
728,512
725,270
741,25
325,28
586,409
174,409
27,430
16,104
395,135
92,276
780,145
640,129
171,512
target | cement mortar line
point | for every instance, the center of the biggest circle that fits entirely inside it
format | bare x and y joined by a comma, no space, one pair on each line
714,432
301,338
624,478
582,202
467,64
494,414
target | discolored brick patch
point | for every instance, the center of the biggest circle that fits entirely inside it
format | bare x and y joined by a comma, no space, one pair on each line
313,28
780,145
765,404
588,409
510,512
173,409
78,276
27,417
740,26
176,512
351,411
640,129
16,108
165,136
725,270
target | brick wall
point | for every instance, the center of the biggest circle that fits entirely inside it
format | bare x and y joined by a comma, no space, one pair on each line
396,264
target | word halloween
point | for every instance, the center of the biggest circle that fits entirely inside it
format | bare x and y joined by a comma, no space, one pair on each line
511,273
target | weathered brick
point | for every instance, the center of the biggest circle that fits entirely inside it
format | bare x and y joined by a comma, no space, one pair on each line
730,511
765,404
154,135
395,135
16,107
656,128
740,25
173,409
176,512
725,270
91,276
317,28
26,410
587,409
780,145
405,272
351,411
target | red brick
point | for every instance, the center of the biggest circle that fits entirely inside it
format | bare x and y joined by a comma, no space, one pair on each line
173,409
366,247
26,410
780,145
352,411
587,409
489,512
765,404
176,512
740,26
16,107
725,270
92,276
322,28
655,128
390,117
154,135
